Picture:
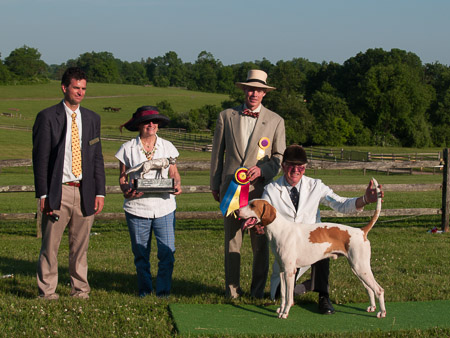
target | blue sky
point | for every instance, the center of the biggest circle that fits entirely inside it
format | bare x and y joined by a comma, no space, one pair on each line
234,31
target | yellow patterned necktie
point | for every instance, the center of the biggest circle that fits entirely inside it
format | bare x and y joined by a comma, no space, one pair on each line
76,150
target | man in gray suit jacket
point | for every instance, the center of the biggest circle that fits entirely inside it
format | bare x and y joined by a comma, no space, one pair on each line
71,191
253,137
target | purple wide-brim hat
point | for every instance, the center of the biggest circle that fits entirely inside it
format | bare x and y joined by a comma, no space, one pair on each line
146,114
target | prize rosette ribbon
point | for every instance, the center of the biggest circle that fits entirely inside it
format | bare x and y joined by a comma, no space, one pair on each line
263,144
237,192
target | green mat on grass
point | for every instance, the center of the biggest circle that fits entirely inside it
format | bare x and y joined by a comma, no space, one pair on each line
229,319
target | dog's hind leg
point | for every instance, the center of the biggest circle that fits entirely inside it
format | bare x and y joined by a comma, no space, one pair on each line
373,288
373,306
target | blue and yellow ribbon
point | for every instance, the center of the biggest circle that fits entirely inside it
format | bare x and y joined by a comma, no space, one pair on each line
237,192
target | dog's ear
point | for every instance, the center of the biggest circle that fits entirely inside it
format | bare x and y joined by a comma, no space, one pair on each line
268,213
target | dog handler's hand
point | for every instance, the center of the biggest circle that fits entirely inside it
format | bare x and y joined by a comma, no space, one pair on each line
46,210
43,200
216,195
131,193
371,193
253,173
99,204
178,189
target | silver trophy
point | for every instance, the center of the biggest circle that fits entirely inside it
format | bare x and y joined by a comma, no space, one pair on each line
153,185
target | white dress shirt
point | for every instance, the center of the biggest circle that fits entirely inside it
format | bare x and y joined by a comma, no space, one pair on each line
68,176
248,125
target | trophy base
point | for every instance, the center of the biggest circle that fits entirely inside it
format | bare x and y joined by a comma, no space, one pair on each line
154,185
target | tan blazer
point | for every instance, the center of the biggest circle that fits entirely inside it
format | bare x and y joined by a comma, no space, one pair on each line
228,153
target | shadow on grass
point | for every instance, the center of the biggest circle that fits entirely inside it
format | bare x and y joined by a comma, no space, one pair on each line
101,280
263,310
188,288
108,281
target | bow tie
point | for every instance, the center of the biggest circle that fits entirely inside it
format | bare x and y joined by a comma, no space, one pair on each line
248,112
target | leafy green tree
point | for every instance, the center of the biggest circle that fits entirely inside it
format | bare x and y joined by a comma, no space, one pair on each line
396,101
335,124
387,91
165,108
5,75
100,67
205,73
225,80
25,64
133,73
167,70
438,76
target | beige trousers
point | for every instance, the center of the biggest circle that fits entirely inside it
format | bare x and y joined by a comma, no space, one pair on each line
79,227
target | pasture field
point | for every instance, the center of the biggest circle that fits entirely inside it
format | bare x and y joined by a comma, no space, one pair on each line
25,101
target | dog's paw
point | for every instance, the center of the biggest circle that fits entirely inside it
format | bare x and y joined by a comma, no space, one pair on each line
283,315
381,314
371,308
279,310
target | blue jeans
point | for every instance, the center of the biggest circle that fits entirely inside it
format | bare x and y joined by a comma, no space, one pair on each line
141,236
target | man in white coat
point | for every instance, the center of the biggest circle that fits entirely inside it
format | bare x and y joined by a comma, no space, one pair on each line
297,197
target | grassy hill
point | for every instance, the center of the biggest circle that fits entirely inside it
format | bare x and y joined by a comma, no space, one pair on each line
20,104
26,100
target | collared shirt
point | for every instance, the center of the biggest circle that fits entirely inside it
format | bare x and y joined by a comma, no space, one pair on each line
68,176
289,187
149,205
248,125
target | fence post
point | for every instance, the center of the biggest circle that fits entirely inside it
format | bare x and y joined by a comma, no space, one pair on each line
445,193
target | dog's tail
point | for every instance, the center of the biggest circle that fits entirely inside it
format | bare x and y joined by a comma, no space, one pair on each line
375,216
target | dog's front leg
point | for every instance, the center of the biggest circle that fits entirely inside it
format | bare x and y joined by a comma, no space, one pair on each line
280,310
287,280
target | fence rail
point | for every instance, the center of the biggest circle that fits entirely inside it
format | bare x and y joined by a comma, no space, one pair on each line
189,189
216,214
314,164
342,155
178,136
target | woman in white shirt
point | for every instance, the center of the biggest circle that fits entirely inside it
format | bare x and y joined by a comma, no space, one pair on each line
147,212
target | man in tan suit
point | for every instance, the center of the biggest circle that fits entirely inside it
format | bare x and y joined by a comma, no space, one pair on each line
253,137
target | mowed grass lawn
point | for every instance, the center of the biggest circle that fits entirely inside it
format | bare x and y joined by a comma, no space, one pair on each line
409,262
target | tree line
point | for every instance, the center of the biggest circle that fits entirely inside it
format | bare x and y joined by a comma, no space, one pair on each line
382,98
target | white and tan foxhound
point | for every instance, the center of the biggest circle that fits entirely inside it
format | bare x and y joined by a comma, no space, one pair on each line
297,245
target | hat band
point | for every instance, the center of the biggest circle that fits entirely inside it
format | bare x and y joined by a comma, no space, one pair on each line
149,112
256,80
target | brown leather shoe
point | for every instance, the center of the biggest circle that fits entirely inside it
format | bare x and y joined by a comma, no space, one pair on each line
53,296
81,295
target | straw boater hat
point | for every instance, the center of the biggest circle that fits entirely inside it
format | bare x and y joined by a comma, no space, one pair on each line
255,78
295,154
145,114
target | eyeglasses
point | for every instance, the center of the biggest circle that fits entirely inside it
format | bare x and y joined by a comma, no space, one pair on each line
149,122
299,167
